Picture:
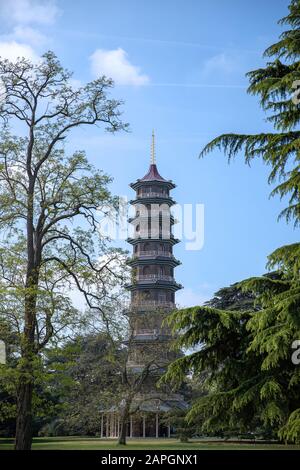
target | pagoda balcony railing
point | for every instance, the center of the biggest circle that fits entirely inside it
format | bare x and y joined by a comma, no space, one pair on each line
152,304
155,333
158,395
153,213
150,254
154,277
146,331
152,194
163,235
140,367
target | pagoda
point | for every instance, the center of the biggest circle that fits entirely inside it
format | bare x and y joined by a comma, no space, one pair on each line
152,290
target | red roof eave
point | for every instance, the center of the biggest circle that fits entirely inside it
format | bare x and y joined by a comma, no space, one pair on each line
153,174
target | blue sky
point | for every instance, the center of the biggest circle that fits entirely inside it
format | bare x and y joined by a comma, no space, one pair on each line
180,68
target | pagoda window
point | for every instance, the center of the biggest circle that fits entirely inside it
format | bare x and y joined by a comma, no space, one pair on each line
146,294
146,270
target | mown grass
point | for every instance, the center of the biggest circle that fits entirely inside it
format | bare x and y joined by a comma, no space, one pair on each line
89,443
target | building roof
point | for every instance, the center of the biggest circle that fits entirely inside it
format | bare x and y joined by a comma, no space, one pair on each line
152,406
153,174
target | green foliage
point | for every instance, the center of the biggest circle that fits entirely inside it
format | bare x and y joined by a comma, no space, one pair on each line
72,383
51,205
291,430
81,380
176,419
233,298
250,381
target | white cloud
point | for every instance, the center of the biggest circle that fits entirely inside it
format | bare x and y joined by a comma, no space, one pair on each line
220,63
29,11
23,40
190,298
29,35
12,50
115,64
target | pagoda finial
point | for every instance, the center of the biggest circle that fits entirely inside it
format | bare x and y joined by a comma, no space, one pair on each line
153,148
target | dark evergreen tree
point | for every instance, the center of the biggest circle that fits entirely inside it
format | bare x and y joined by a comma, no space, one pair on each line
232,298
245,357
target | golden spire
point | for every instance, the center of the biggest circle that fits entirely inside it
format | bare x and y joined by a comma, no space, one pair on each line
153,149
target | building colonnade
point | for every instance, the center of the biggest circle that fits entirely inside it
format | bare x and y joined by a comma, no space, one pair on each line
146,425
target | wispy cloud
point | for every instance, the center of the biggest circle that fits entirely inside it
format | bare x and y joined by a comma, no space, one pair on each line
29,11
220,63
29,35
159,42
116,65
196,85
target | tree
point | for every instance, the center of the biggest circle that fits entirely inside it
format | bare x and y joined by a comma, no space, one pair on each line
219,340
277,85
50,204
79,373
251,382
183,430
233,298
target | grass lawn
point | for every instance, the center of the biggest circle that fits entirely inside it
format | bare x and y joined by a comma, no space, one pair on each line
89,443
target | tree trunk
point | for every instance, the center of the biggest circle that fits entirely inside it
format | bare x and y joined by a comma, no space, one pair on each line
24,416
23,437
122,435
123,424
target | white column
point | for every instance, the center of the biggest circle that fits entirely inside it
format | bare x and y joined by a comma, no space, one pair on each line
130,426
144,426
156,425
111,425
101,425
2,352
